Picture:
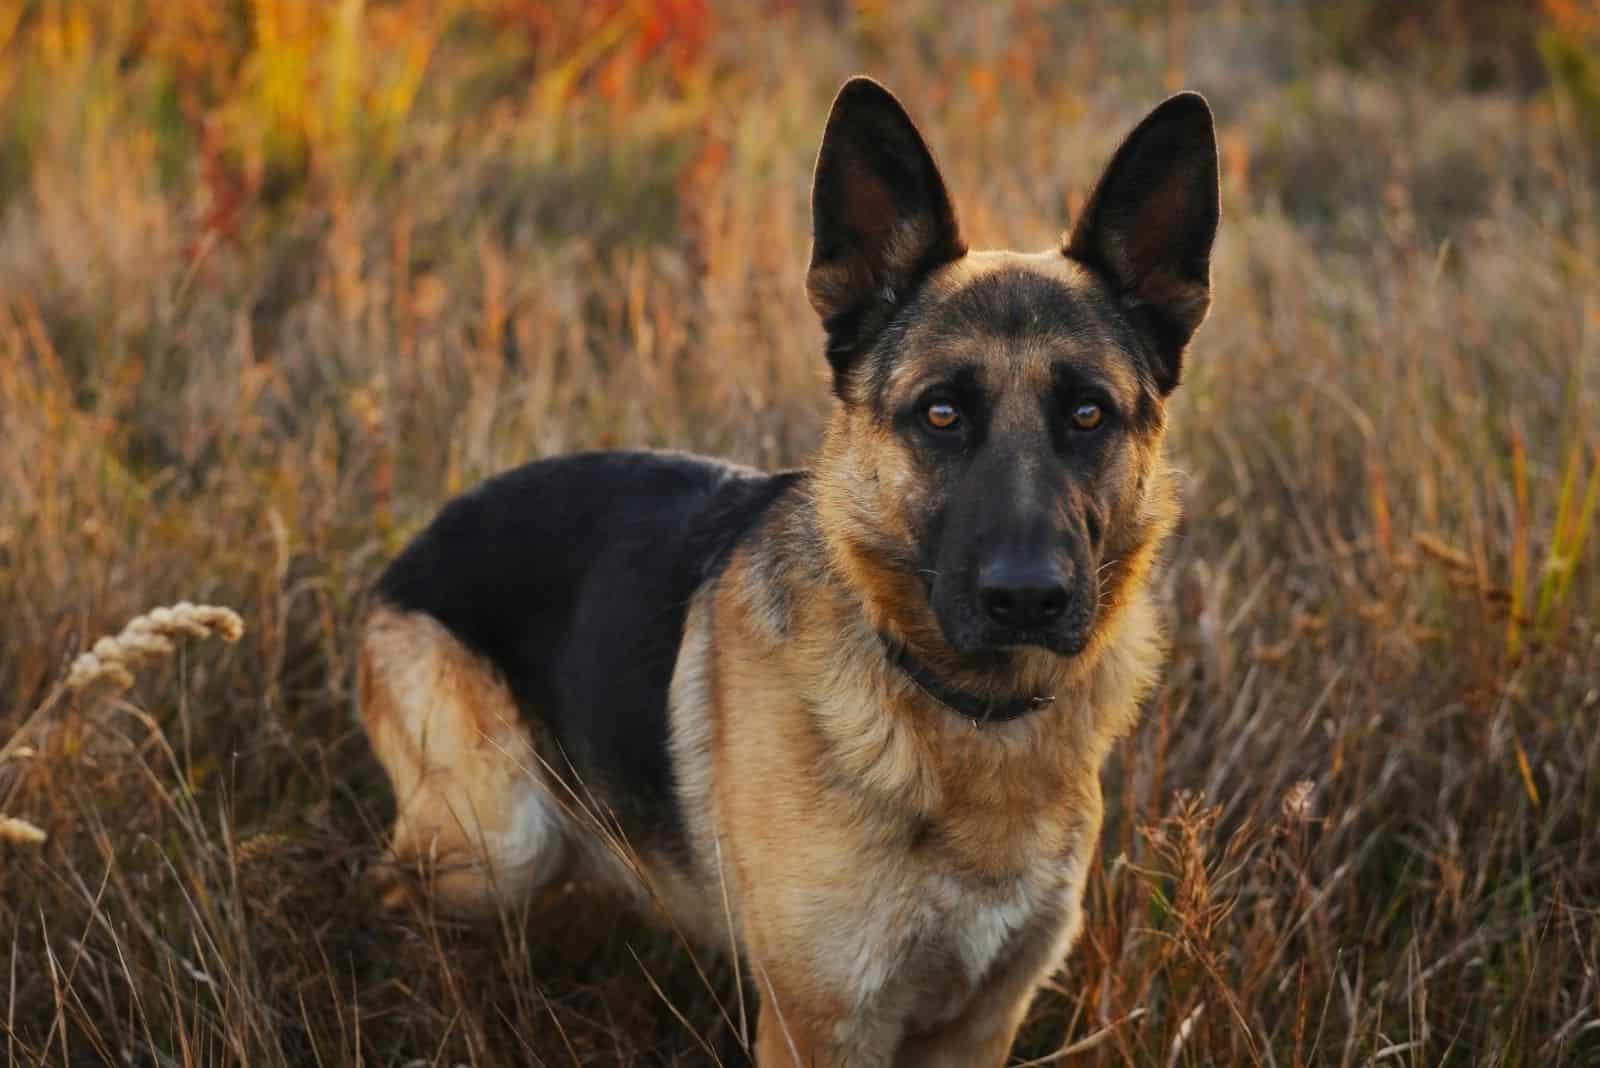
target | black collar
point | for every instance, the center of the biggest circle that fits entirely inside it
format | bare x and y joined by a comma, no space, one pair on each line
975,708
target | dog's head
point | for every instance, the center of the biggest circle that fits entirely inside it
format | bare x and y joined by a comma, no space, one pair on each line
994,468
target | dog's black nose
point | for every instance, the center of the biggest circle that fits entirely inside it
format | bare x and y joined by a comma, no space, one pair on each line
1022,595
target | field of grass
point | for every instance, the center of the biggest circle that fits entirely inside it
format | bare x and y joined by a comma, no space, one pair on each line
279,276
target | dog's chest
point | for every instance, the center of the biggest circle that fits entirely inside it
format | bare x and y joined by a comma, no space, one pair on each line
926,942
973,930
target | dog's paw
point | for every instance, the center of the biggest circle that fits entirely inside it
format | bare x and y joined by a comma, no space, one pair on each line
395,884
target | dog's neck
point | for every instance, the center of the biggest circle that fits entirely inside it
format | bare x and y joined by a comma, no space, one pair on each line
979,709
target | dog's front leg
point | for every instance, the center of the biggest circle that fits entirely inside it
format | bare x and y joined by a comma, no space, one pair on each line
794,1039
983,1033
803,1025
978,1039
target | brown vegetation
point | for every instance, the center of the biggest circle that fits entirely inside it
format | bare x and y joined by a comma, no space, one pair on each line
277,277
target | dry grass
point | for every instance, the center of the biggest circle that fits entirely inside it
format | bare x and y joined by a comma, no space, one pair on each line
276,278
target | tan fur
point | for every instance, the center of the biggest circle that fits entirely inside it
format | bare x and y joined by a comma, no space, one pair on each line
473,814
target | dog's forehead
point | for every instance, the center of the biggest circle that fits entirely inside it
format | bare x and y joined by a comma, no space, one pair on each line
1023,315
1024,277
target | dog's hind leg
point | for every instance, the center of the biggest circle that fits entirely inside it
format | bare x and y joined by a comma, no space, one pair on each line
474,816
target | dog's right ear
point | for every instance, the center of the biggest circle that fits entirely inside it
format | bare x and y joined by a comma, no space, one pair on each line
880,219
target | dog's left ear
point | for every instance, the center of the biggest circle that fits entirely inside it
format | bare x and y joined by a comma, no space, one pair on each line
1149,225
880,218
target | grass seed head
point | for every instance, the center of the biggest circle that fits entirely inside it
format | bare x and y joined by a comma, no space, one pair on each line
149,637
20,832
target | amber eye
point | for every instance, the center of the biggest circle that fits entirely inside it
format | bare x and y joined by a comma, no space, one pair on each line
942,416
1087,416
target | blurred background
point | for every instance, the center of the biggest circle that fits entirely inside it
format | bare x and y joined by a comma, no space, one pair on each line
279,276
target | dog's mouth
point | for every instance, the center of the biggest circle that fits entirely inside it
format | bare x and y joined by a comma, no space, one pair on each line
1070,643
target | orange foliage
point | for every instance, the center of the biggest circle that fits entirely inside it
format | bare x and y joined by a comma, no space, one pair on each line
1578,17
677,31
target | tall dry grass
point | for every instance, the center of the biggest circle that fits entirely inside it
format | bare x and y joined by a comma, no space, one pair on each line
278,277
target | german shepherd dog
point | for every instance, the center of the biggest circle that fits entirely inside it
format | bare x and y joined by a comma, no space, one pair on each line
850,719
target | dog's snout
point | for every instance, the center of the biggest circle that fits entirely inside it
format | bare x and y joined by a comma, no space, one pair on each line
1022,595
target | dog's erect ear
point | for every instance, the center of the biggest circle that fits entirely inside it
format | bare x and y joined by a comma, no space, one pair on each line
1149,225
880,217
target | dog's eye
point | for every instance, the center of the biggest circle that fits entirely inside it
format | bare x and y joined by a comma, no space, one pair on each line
1087,416
942,415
